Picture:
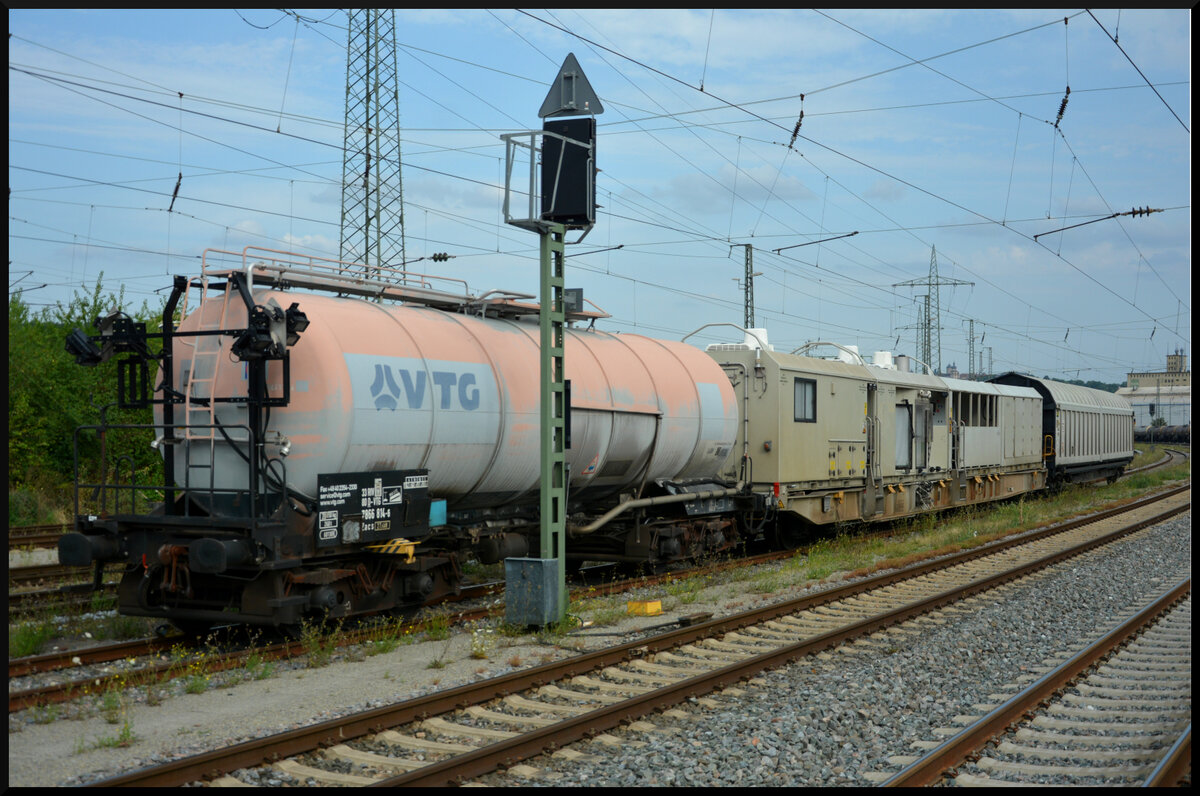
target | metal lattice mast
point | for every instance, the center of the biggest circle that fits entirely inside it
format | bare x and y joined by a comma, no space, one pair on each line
749,308
932,322
971,351
926,343
747,286
372,230
920,331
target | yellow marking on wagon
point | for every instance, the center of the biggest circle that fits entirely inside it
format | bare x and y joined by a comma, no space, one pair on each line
395,547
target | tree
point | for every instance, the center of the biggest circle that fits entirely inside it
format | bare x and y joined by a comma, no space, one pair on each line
50,396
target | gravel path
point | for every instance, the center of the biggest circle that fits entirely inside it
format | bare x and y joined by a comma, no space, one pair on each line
823,722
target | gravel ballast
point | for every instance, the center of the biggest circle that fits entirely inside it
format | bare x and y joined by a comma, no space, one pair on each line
828,720
824,721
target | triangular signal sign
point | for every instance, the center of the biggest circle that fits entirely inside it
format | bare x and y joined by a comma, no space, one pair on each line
571,94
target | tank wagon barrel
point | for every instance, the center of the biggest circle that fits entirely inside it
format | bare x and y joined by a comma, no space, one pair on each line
397,387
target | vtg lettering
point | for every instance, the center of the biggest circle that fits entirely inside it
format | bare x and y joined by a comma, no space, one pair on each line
446,388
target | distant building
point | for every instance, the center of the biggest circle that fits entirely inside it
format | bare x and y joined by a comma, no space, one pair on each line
1165,395
1176,374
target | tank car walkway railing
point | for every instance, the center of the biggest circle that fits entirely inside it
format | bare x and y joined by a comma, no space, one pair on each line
283,270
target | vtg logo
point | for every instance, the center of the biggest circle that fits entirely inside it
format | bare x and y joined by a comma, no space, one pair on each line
448,386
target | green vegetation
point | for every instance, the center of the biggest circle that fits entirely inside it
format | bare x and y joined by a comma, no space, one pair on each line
1149,454
58,618
437,625
387,636
601,610
854,550
686,590
50,396
199,673
1095,385
126,737
970,527
28,638
256,666
318,644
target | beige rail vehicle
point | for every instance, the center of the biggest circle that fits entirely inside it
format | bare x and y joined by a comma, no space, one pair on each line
837,441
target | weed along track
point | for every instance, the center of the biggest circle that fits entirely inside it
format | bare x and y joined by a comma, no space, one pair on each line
466,732
861,553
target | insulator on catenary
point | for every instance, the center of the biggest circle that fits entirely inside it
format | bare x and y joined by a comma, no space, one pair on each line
1063,107
799,121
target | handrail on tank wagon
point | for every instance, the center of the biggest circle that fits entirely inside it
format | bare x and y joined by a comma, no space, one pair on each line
325,267
165,438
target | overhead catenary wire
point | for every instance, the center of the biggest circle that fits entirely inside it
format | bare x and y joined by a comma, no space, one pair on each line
209,114
235,121
727,234
873,168
905,182
707,46
1139,71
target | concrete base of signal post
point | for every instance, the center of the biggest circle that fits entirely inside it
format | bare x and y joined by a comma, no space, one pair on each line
532,591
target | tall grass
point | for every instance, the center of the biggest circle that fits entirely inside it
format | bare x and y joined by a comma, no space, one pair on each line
928,535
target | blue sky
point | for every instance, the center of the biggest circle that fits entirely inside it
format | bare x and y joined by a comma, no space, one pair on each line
958,152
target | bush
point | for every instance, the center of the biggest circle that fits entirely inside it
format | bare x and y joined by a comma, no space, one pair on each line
50,396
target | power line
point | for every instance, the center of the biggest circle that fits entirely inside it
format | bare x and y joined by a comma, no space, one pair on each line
842,154
714,238
1139,71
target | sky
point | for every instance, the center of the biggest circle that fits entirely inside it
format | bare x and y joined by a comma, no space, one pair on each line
925,136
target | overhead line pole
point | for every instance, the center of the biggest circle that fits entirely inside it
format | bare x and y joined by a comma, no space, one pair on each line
536,591
933,311
372,226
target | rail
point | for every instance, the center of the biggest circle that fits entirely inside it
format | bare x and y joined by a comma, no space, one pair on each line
453,771
954,751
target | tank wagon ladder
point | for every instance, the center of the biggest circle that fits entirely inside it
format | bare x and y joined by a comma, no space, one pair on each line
200,412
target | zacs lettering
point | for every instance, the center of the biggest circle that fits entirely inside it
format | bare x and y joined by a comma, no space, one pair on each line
447,389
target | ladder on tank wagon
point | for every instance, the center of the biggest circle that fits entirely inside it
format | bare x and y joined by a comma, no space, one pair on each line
199,387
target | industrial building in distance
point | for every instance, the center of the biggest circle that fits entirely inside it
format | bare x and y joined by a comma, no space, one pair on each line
1164,396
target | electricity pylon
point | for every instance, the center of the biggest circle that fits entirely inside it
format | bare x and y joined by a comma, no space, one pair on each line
372,229
932,322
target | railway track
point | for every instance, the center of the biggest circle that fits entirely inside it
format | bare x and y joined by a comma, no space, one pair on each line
69,597
80,595
158,670
1118,712
454,735
40,574
1174,456
35,536
46,536
155,669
